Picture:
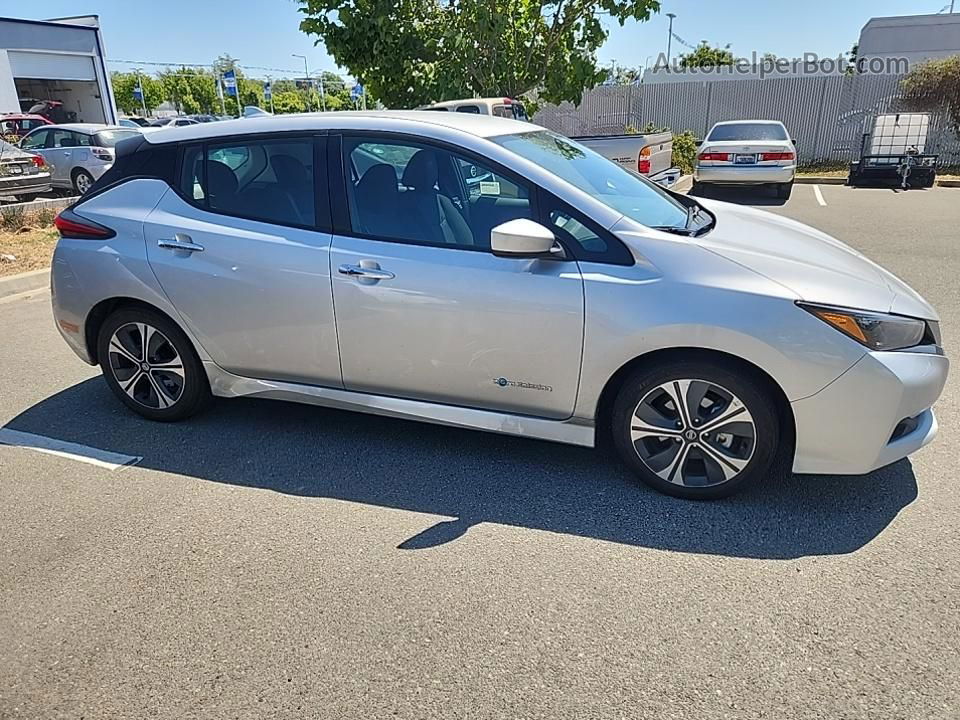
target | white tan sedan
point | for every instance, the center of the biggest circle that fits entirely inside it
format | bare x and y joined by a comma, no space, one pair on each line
747,152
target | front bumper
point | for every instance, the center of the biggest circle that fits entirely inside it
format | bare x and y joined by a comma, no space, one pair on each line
853,425
744,174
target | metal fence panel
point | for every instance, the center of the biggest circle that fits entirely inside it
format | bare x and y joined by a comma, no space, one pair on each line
826,114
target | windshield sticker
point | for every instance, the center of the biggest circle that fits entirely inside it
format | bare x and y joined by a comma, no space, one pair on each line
489,188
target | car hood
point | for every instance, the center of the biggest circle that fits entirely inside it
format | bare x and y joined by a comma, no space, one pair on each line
816,267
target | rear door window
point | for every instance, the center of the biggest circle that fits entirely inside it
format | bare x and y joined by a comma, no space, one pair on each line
271,180
473,109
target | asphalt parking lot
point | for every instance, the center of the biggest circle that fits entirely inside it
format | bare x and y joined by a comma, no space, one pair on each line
275,560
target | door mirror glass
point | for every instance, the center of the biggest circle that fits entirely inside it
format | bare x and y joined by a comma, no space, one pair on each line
522,238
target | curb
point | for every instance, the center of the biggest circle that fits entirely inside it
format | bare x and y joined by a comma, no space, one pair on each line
52,203
948,183
819,180
24,282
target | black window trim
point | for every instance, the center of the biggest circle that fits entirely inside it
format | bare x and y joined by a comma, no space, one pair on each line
319,140
548,199
338,182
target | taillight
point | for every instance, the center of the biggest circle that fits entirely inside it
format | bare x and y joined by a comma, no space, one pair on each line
724,157
643,165
776,156
38,161
105,154
71,225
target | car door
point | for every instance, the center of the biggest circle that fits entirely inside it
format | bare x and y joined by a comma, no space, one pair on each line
241,248
63,153
424,310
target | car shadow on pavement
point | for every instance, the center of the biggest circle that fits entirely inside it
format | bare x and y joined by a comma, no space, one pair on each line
475,477
756,195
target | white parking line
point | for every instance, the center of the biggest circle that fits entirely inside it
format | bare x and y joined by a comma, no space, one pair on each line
816,191
72,451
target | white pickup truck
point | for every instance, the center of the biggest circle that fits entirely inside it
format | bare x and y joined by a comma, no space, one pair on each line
650,155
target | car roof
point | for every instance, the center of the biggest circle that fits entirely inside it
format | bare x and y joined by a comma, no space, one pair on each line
86,127
748,122
21,116
398,120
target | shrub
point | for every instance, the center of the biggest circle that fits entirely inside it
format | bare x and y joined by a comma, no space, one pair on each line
43,217
12,218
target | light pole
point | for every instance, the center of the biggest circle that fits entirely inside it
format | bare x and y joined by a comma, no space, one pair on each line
306,71
670,36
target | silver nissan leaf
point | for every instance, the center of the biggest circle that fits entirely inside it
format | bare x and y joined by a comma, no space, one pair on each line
486,273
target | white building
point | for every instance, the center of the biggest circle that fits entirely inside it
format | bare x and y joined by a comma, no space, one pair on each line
914,37
60,60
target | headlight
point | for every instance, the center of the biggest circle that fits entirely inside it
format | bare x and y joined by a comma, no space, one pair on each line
878,331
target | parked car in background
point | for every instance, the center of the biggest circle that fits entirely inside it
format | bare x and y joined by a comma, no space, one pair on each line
203,118
173,122
498,107
341,259
747,152
133,122
22,174
79,152
649,154
19,124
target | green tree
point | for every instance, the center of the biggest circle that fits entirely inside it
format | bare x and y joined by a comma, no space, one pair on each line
191,90
934,86
410,52
123,85
625,75
707,56
288,101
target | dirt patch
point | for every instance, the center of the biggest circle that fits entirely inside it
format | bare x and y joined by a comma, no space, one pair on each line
30,247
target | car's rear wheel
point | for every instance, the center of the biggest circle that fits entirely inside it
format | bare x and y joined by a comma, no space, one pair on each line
151,366
696,429
82,181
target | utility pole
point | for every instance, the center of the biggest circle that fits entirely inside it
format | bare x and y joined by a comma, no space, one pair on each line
306,72
670,36
143,100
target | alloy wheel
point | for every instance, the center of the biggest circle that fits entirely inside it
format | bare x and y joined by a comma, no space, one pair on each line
83,183
693,433
146,365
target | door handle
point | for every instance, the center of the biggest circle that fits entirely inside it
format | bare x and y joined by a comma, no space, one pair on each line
365,272
180,242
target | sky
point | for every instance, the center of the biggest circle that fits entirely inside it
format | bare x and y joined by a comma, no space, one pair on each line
265,33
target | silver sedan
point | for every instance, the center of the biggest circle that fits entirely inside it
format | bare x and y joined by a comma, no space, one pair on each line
347,260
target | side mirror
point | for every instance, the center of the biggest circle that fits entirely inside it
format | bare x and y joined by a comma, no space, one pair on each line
698,141
522,238
793,141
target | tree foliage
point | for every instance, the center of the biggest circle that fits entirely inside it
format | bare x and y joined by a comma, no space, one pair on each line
934,86
411,52
123,85
707,56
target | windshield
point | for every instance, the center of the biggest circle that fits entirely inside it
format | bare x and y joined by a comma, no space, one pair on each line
109,138
632,195
748,131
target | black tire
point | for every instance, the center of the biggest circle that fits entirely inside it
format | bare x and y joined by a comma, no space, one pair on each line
784,190
158,394
702,475
82,181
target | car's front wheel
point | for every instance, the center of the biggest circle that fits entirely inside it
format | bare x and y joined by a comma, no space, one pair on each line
151,366
696,429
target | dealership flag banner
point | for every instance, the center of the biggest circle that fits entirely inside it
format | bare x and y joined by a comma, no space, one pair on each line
230,82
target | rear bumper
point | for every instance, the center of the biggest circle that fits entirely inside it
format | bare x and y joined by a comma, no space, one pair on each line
744,174
24,185
853,426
